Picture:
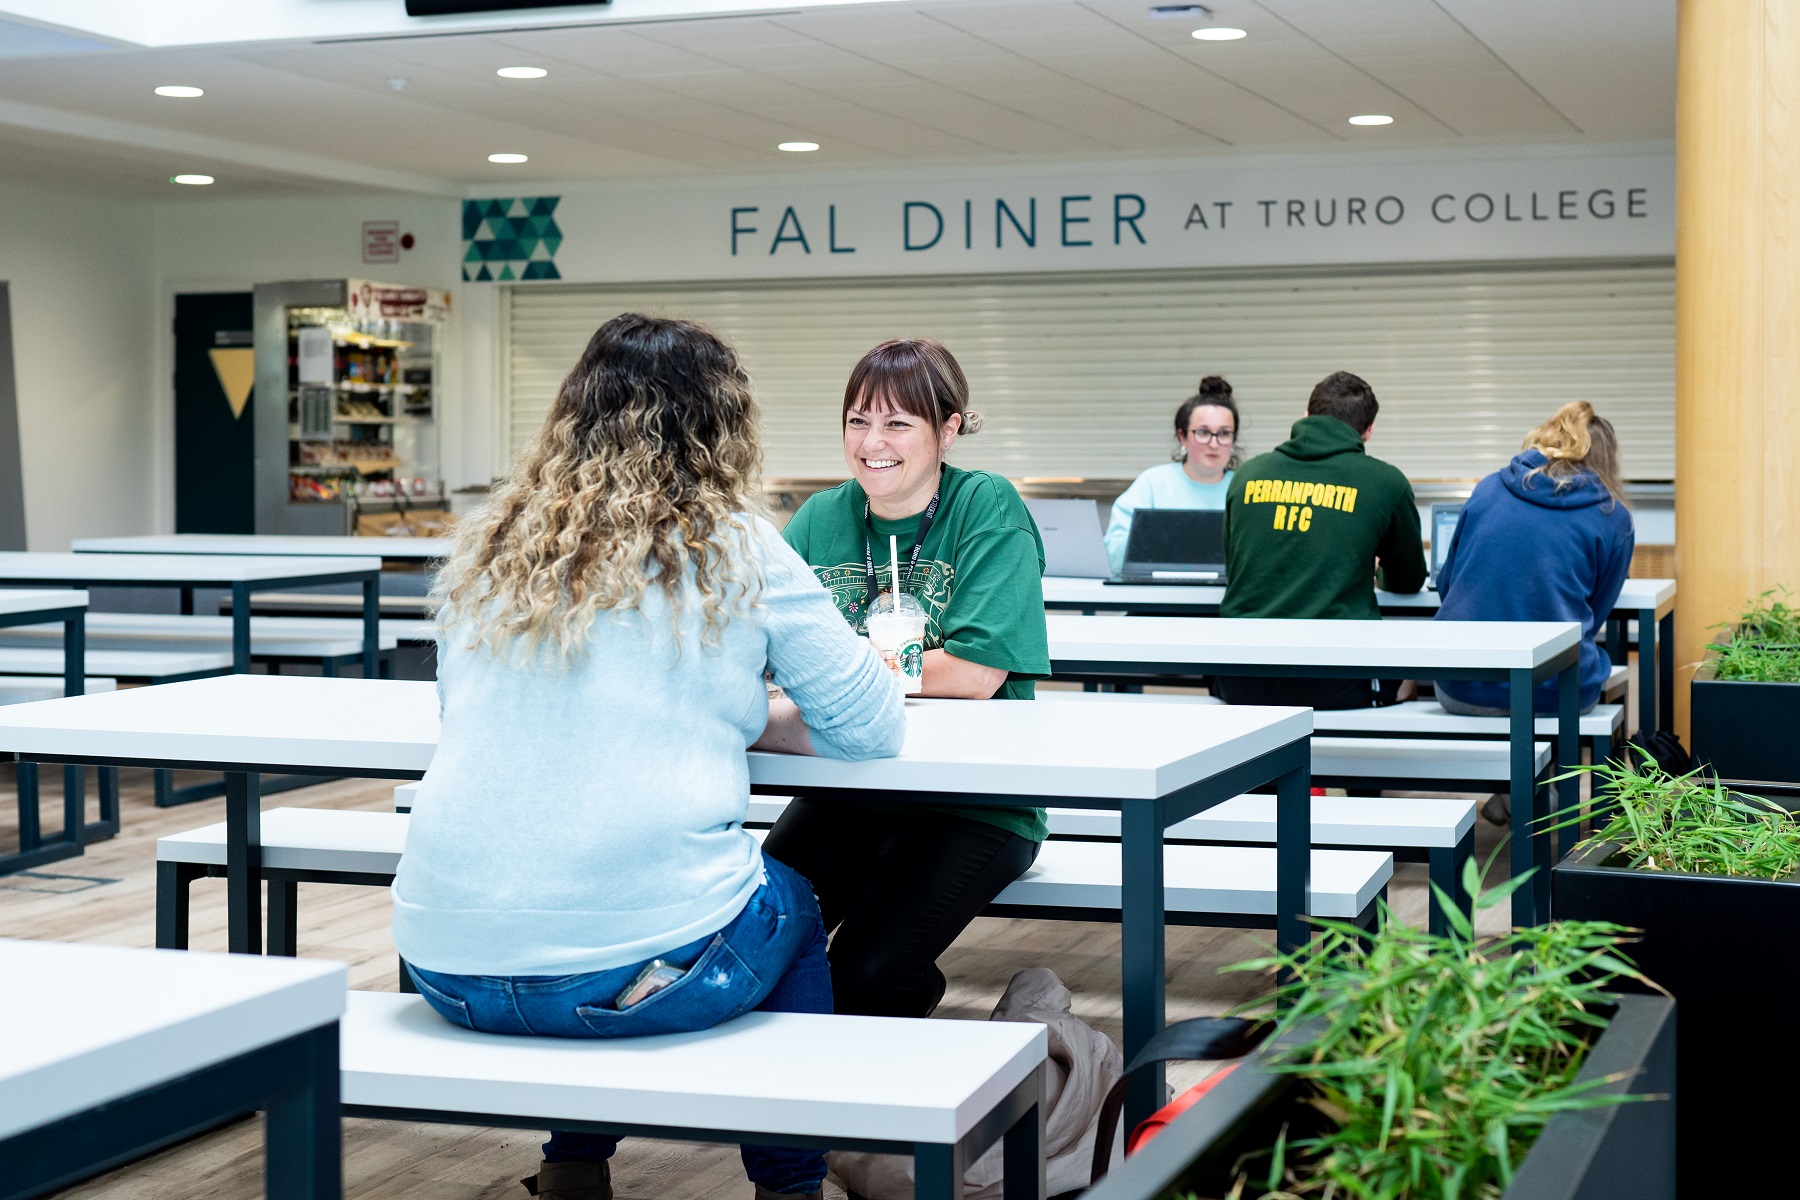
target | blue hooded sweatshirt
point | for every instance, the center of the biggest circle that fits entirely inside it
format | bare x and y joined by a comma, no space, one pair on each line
1537,549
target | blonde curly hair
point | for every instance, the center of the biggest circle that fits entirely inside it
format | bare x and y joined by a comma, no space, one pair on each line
1574,440
648,453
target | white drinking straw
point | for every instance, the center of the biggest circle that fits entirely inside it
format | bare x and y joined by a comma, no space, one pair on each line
894,566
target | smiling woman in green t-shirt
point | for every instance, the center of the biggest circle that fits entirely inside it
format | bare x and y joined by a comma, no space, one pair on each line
899,882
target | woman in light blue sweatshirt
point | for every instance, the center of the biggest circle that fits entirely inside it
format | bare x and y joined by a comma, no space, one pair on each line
577,864
1206,428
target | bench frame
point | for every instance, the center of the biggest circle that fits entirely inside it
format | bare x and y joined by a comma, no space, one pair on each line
938,1168
294,1081
76,832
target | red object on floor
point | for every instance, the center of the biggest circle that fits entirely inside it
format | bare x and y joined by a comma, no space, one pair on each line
1159,1120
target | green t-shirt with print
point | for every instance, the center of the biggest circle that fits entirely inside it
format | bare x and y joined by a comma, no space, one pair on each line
979,578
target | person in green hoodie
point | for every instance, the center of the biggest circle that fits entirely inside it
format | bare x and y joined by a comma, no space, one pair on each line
1309,529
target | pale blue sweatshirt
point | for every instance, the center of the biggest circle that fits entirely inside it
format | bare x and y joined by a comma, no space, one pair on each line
578,818
1164,486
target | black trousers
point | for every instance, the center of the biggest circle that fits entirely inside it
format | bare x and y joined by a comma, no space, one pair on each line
897,888
1306,693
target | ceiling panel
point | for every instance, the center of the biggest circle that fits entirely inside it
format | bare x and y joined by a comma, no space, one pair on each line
900,83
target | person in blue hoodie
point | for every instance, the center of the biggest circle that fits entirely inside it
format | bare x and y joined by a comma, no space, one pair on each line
1547,538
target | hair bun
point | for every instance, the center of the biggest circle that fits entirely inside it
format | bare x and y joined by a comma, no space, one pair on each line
1214,385
972,422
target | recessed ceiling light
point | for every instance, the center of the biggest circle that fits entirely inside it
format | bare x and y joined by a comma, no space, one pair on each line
521,72
1219,33
195,180
508,158
180,91
1372,119
797,147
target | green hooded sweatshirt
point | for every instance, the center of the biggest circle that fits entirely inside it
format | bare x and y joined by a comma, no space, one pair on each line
1306,523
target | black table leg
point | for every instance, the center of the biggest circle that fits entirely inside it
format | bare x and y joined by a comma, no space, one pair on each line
1141,945
243,862
937,1172
303,1133
1023,1156
371,625
1568,754
1665,673
74,684
1293,857
1522,792
240,628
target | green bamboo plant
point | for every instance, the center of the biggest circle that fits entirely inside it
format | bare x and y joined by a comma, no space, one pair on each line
1763,642
1664,822
1435,1061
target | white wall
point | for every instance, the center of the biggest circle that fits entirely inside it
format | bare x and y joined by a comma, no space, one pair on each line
80,276
231,245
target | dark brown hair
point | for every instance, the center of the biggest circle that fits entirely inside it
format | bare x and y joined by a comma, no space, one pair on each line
917,376
1214,393
1347,397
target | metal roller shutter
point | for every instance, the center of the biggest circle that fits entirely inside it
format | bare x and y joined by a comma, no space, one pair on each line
1080,374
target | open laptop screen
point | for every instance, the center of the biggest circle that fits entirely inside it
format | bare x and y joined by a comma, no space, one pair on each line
1444,519
1175,539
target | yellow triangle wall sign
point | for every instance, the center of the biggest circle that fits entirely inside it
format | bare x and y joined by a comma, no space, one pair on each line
236,369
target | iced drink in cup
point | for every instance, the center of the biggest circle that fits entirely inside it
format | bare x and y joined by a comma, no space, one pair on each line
897,631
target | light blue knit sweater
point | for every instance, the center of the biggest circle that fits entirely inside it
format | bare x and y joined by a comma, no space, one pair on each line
585,817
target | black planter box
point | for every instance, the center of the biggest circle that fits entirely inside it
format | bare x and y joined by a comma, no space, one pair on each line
1616,1152
1724,948
1747,732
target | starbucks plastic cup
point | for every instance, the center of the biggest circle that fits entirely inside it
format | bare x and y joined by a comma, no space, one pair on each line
897,631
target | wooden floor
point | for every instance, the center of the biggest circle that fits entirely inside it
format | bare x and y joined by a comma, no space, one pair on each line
108,896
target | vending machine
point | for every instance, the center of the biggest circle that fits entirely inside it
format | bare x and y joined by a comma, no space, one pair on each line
346,419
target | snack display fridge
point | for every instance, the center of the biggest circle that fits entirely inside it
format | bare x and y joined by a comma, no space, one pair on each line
346,423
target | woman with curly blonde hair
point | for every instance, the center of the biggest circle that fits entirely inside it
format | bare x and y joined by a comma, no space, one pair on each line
1548,538
577,864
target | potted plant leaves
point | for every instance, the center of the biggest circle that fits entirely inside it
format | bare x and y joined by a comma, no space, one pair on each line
1411,1066
1745,698
1711,879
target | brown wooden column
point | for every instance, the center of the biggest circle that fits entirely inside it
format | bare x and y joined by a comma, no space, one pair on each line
1737,314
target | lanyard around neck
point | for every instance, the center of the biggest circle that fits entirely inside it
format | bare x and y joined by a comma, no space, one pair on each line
874,588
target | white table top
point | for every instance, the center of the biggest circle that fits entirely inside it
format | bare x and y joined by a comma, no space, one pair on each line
265,544
34,601
805,1073
1635,596
128,569
301,637
1229,641
1060,750
88,1024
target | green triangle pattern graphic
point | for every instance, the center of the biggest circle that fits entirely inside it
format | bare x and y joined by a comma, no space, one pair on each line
510,238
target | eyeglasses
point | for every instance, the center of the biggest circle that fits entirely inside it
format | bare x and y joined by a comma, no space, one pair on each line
1222,437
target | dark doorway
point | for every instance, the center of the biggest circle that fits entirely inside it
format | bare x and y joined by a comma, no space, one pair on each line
215,465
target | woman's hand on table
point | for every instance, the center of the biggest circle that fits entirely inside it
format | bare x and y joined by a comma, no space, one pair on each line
952,678
786,732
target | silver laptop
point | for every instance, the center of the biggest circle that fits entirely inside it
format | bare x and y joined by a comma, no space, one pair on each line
1175,545
1444,519
1073,547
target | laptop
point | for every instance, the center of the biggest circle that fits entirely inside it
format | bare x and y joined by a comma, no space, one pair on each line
1175,545
1073,547
1444,519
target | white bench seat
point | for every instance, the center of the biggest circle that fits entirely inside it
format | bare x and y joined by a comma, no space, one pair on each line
297,843
117,664
303,839
1412,717
275,637
909,1084
1198,880
1402,759
28,689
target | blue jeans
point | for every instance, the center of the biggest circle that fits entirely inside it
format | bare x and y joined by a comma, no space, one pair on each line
771,958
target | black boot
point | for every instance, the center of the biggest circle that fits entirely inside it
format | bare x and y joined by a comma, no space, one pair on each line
571,1181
